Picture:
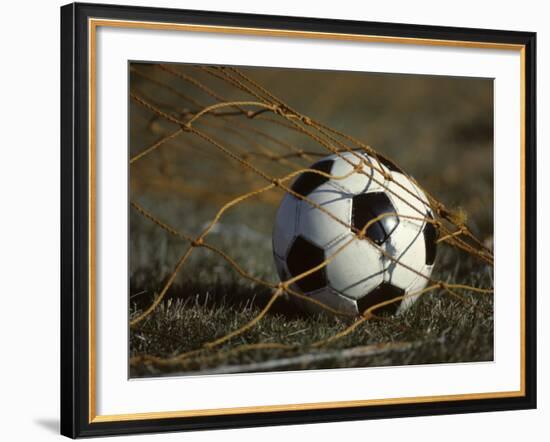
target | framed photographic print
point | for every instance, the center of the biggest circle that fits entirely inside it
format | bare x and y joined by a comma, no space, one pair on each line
278,220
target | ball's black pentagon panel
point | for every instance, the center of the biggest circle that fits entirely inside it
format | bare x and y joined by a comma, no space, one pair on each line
309,181
302,257
389,164
384,292
430,238
368,206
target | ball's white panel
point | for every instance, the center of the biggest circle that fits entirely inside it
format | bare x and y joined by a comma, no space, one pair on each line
428,211
319,227
358,182
329,298
413,291
284,229
406,244
409,202
423,198
280,265
355,270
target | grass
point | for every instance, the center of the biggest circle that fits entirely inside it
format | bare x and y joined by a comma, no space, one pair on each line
438,328
438,129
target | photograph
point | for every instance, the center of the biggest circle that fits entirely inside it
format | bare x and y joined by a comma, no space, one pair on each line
274,221
284,219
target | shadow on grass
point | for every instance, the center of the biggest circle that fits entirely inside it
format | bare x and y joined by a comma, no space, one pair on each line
235,296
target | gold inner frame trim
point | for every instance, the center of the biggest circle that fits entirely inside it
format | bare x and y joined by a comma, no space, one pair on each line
93,24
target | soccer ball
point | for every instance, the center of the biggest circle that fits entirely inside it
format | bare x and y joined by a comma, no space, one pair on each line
361,274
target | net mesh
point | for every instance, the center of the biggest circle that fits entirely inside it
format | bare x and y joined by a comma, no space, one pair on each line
228,131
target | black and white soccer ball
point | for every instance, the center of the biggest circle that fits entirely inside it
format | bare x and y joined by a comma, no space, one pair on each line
361,275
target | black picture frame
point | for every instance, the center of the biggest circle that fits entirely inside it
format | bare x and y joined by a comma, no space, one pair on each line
75,194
